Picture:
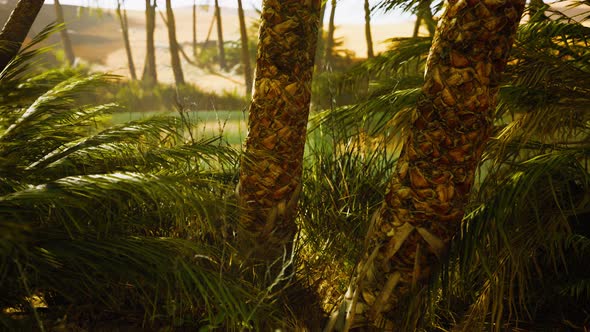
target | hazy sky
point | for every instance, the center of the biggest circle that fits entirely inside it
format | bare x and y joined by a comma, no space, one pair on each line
347,11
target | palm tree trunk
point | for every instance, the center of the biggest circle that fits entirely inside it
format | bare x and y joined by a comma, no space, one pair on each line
426,15
270,173
426,199
195,28
245,50
65,37
222,63
330,40
173,45
16,28
150,75
125,30
368,36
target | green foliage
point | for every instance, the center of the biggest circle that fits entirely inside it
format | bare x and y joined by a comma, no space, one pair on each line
520,258
104,221
137,97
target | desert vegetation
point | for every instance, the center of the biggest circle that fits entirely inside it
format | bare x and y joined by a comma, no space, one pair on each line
439,185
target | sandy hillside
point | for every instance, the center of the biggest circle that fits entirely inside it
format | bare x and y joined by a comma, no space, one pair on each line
97,40
101,44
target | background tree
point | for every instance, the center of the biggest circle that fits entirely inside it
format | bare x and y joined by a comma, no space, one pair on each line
173,45
245,50
270,172
65,37
195,28
16,28
150,74
329,51
368,36
220,46
425,203
122,15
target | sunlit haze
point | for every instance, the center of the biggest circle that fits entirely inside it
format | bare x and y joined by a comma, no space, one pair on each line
347,11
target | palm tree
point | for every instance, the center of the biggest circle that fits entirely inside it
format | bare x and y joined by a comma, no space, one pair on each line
65,37
368,36
173,45
270,172
410,233
245,50
150,74
16,28
195,28
125,31
220,46
104,214
329,51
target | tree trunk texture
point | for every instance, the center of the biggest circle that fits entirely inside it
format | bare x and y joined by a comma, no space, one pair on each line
195,29
270,173
150,74
65,37
425,203
245,50
368,36
330,39
220,46
16,28
173,45
122,15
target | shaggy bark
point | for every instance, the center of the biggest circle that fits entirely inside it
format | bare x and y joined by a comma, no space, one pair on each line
270,173
426,199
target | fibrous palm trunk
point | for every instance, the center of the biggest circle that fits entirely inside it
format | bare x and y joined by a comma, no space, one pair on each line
270,173
65,37
150,75
122,15
426,199
368,36
220,46
173,45
16,28
245,50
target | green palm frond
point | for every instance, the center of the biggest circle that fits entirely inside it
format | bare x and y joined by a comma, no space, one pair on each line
515,249
118,214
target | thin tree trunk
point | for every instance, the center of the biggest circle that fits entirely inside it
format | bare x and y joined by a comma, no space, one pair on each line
65,37
417,26
368,36
321,45
222,63
16,28
426,15
150,74
195,28
270,173
430,187
245,50
125,30
330,40
173,45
